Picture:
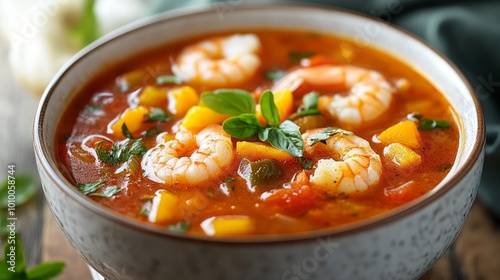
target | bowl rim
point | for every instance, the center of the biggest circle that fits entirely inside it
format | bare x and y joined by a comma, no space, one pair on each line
350,229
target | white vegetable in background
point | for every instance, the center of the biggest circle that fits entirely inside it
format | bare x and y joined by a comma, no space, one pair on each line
44,34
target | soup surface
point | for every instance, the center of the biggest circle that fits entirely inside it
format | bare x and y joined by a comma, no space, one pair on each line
258,133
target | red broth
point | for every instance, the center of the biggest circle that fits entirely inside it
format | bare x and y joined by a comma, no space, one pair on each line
226,205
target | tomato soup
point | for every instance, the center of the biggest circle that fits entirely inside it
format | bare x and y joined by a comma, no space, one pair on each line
256,133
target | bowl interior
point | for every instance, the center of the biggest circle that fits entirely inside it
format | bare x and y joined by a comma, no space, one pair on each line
151,33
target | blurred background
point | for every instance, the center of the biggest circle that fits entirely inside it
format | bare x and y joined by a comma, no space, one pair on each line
37,37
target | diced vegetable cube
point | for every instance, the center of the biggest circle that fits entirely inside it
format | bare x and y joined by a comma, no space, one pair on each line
404,132
283,99
181,99
228,225
310,122
256,151
164,208
402,155
133,118
131,80
199,117
153,96
259,173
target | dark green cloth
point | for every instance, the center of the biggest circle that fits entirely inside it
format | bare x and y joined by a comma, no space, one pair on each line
466,31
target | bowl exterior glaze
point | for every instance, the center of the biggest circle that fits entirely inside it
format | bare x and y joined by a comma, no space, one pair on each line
401,244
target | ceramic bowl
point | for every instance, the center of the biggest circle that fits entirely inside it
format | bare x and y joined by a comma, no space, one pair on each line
400,244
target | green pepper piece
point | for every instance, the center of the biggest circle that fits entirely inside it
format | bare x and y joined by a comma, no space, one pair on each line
259,173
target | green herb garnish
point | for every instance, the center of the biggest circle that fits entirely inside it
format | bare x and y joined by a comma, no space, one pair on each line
296,56
233,102
444,167
26,188
306,163
151,132
157,115
327,133
121,151
126,132
168,79
429,124
275,75
309,108
92,108
230,180
88,188
180,227
108,192
17,270
285,136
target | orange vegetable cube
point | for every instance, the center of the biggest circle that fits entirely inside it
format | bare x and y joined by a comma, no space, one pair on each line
181,99
404,132
402,155
133,118
228,225
198,117
153,96
164,208
283,99
255,151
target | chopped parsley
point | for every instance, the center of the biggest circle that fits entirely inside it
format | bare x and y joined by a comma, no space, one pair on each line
168,79
327,133
121,151
89,188
108,192
157,115
180,227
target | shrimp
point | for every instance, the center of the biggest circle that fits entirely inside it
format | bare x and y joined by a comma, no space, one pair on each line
370,94
346,164
189,159
220,61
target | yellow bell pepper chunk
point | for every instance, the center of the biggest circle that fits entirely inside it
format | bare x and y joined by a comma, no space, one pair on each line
153,96
404,132
133,118
255,151
402,155
199,117
283,99
181,99
228,226
164,208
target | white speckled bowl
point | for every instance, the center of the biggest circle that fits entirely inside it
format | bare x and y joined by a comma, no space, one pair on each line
402,243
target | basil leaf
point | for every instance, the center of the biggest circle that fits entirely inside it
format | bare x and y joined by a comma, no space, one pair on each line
45,271
168,79
126,132
274,75
25,185
264,133
108,192
232,102
296,56
242,126
89,187
20,265
327,133
269,109
429,124
87,29
287,137
157,114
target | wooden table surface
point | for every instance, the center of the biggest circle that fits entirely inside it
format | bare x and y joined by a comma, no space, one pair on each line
474,255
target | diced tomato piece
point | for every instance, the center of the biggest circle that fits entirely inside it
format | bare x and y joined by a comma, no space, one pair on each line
295,200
